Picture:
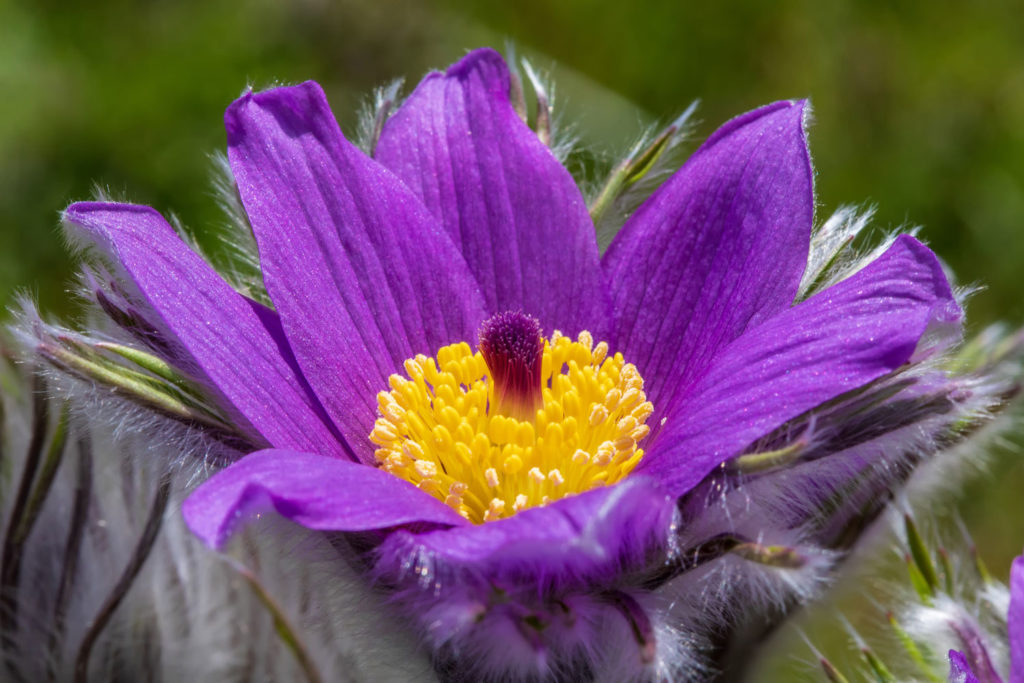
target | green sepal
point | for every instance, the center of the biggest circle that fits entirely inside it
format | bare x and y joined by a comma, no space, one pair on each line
979,564
947,570
178,386
143,389
148,362
820,277
878,668
637,165
780,556
542,122
641,164
918,581
831,672
922,558
916,655
752,463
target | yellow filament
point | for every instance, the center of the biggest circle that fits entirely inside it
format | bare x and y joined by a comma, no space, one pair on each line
437,428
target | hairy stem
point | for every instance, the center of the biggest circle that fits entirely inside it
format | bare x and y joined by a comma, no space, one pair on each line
72,549
283,627
10,565
142,550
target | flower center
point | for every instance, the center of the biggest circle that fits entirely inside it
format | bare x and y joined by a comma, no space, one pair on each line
520,423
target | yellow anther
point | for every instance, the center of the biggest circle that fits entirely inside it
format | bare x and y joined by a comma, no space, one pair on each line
491,477
450,418
497,430
425,469
572,403
553,437
512,464
629,372
439,428
643,411
394,412
442,439
383,432
465,432
611,401
494,510
631,398
481,447
524,434
624,443
626,424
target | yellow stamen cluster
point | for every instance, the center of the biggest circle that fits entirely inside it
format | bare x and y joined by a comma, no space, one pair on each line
438,428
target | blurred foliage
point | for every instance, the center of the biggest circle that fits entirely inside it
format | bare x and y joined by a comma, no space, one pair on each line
919,111
919,107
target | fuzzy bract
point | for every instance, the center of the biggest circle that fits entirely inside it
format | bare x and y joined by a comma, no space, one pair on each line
463,213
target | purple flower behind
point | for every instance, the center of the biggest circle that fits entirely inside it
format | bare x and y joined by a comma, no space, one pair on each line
1015,621
959,669
463,214
975,658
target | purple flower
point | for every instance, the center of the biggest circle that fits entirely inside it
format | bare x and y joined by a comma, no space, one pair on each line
975,657
959,669
1015,621
515,499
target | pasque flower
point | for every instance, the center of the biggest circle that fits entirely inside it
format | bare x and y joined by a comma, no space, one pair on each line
456,377
973,663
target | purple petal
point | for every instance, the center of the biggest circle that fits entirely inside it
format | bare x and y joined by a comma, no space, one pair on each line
588,536
1015,621
959,669
836,341
720,247
513,209
359,272
317,492
217,328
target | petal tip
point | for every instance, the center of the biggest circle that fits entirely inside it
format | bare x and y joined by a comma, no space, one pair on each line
920,252
88,214
777,117
473,58
298,99
489,65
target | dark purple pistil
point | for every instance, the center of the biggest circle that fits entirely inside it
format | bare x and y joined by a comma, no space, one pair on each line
513,349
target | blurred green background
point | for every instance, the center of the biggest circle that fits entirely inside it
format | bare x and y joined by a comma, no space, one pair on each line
919,110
